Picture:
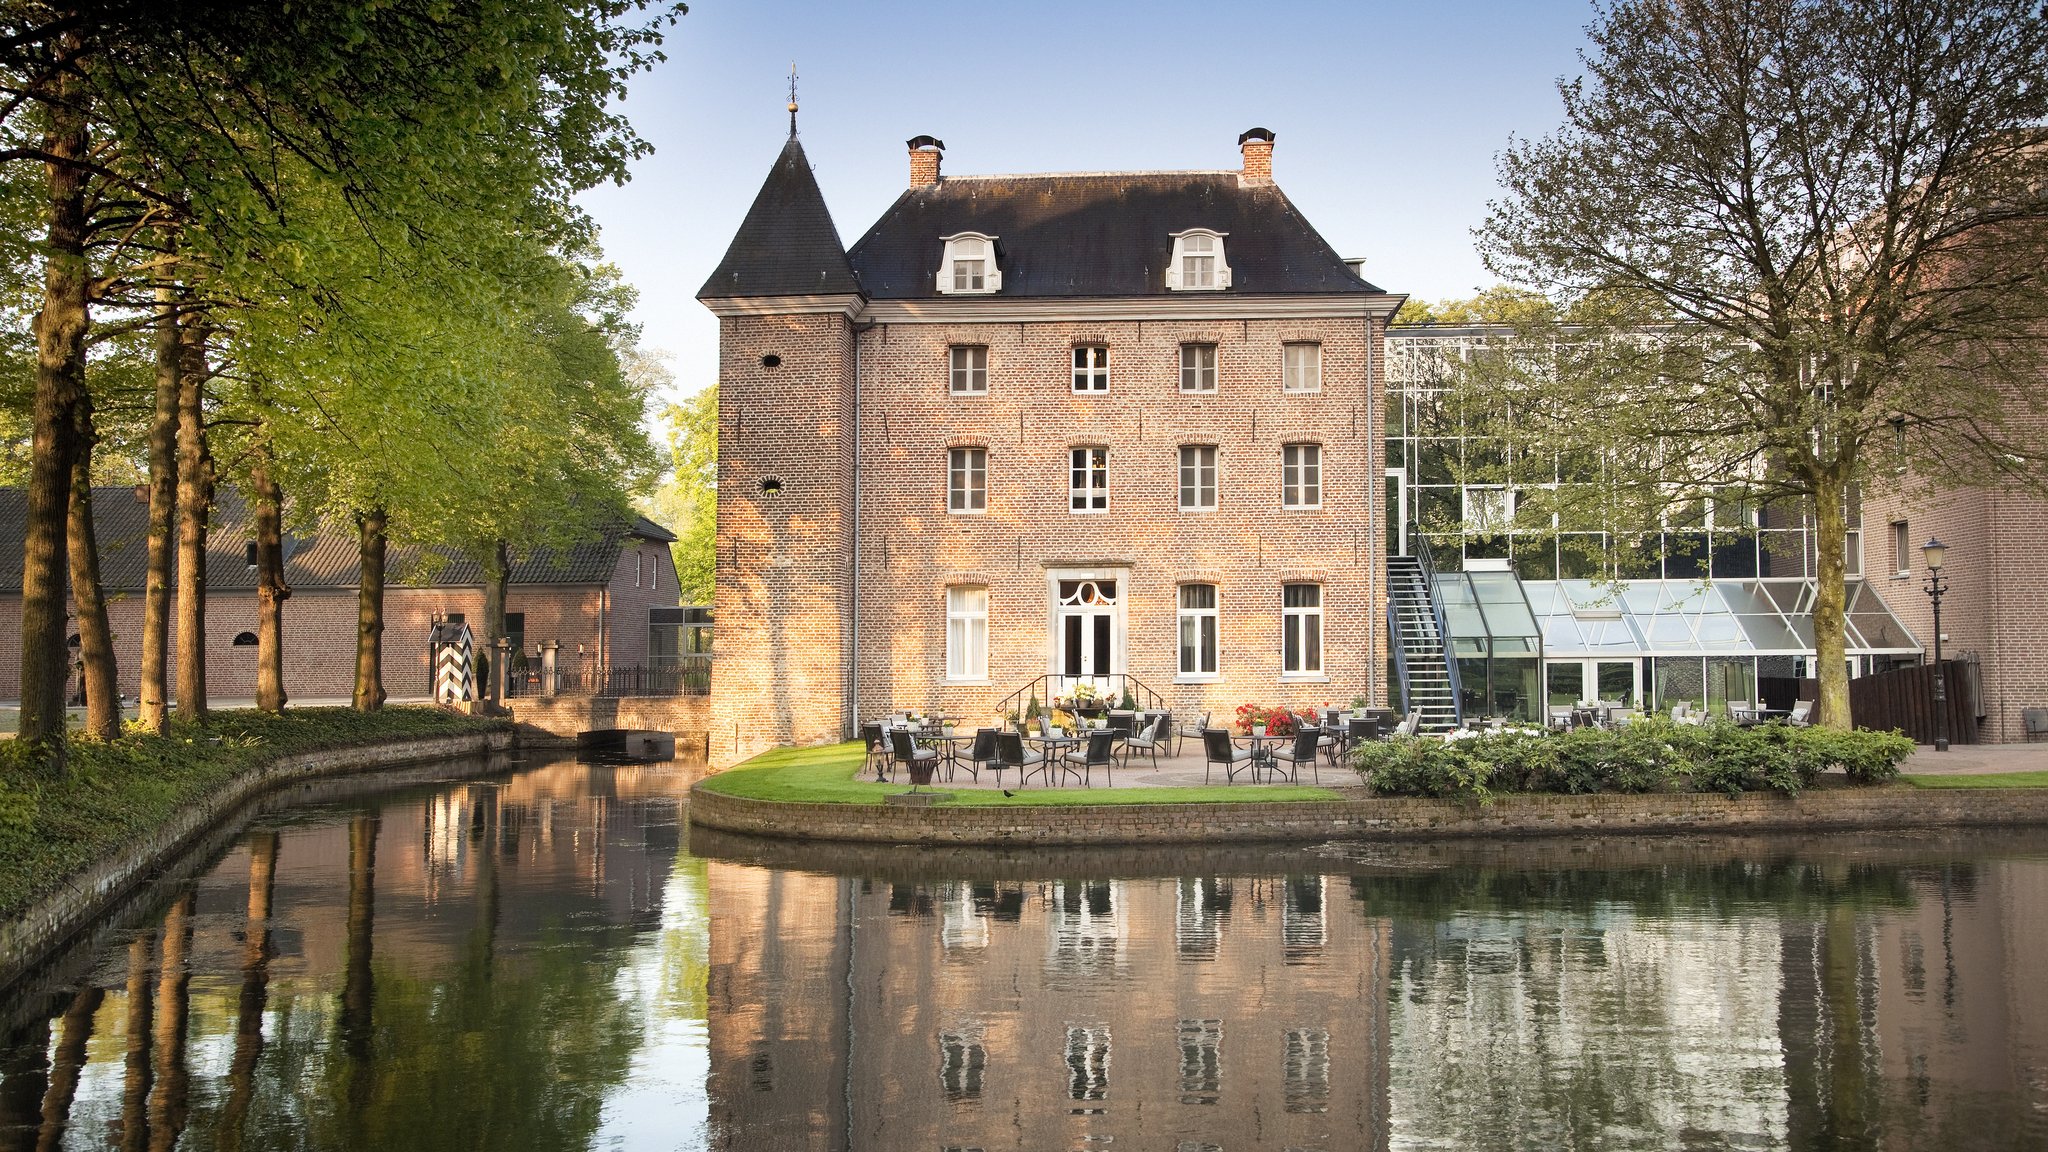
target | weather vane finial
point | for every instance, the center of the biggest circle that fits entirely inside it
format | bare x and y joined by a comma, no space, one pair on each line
792,99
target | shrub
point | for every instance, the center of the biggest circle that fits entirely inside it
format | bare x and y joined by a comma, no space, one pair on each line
1652,755
1420,766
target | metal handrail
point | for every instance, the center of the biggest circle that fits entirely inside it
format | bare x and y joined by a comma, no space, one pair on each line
1427,560
1042,687
1395,645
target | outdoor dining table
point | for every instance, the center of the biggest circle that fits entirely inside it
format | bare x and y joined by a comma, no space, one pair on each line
1262,758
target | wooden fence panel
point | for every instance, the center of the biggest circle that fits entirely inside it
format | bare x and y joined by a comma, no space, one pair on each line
1904,699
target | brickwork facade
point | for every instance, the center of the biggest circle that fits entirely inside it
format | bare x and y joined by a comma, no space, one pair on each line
840,540
1028,537
785,533
603,624
1996,580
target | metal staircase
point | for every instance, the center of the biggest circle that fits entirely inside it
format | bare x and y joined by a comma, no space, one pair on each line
1420,640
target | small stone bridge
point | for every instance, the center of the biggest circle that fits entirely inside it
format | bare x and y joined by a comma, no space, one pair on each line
545,721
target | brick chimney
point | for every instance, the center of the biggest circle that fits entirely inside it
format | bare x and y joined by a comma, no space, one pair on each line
925,153
1257,144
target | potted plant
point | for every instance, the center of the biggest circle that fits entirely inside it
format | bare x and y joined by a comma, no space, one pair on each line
1130,702
1358,707
1251,719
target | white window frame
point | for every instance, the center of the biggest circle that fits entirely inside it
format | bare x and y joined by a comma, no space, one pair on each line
966,481
1300,624
1487,509
1193,368
1178,277
1301,366
967,634
1208,635
967,370
1091,369
1301,475
1193,480
1902,550
1088,480
966,247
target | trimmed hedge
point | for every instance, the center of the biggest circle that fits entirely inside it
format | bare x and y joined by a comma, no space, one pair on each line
118,790
1651,755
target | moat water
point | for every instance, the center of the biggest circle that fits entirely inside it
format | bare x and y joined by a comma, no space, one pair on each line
547,958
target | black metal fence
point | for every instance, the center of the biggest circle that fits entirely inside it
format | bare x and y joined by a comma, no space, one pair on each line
688,675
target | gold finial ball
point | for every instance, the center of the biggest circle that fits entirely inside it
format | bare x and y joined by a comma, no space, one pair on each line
792,105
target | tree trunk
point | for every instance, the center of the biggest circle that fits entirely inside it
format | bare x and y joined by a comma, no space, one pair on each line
1830,605
195,504
369,695
170,1096
153,694
497,567
134,1123
74,1037
255,996
60,328
271,590
95,636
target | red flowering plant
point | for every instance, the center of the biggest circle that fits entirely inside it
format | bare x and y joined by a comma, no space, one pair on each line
1249,715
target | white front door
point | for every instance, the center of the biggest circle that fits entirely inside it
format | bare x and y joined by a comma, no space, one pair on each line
1088,631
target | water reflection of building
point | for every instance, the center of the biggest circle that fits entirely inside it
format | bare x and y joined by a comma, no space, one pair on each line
1240,1013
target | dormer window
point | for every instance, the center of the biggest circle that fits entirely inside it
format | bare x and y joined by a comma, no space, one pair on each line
969,267
1198,264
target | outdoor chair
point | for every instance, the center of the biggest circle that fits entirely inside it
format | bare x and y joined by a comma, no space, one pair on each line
1216,742
878,749
1148,740
1383,721
1741,712
1358,731
1560,716
1802,714
1011,753
1123,723
1192,728
2035,721
1330,737
1100,752
1304,751
1411,725
982,754
1045,727
908,754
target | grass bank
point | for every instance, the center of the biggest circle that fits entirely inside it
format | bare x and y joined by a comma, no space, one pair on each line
825,775
1982,780
116,792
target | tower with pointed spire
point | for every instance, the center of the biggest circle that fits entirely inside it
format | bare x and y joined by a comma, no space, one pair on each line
785,296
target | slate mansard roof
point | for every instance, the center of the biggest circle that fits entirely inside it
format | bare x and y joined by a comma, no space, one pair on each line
326,559
1100,234
1103,234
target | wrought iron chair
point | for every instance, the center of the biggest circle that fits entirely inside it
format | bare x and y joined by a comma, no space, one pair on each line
1011,753
1150,740
2035,721
1216,743
906,752
982,754
1304,751
1193,728
1101,751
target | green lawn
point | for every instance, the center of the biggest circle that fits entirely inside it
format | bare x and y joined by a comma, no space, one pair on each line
1986,780
824,775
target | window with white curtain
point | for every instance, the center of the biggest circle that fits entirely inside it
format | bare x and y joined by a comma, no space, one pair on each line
1197,630
1198,367
967,633
1301,476
1301,629
967,480
1197,264
968,370
1302,367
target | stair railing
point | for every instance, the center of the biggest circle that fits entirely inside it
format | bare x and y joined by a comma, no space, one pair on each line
1427,560
1400,650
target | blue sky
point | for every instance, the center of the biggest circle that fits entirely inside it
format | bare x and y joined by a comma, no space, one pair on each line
1388,118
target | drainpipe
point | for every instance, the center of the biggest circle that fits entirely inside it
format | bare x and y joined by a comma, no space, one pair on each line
1375,469
851,726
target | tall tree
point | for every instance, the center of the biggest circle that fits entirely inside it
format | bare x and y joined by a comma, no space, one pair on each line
1839,209
687,501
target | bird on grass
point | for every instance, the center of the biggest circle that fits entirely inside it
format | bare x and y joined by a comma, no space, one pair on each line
1007,792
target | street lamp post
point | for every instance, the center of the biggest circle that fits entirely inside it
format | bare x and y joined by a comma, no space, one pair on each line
1934,553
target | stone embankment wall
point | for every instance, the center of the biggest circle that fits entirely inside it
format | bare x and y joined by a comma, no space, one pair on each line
1390,818
89,897
555,722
